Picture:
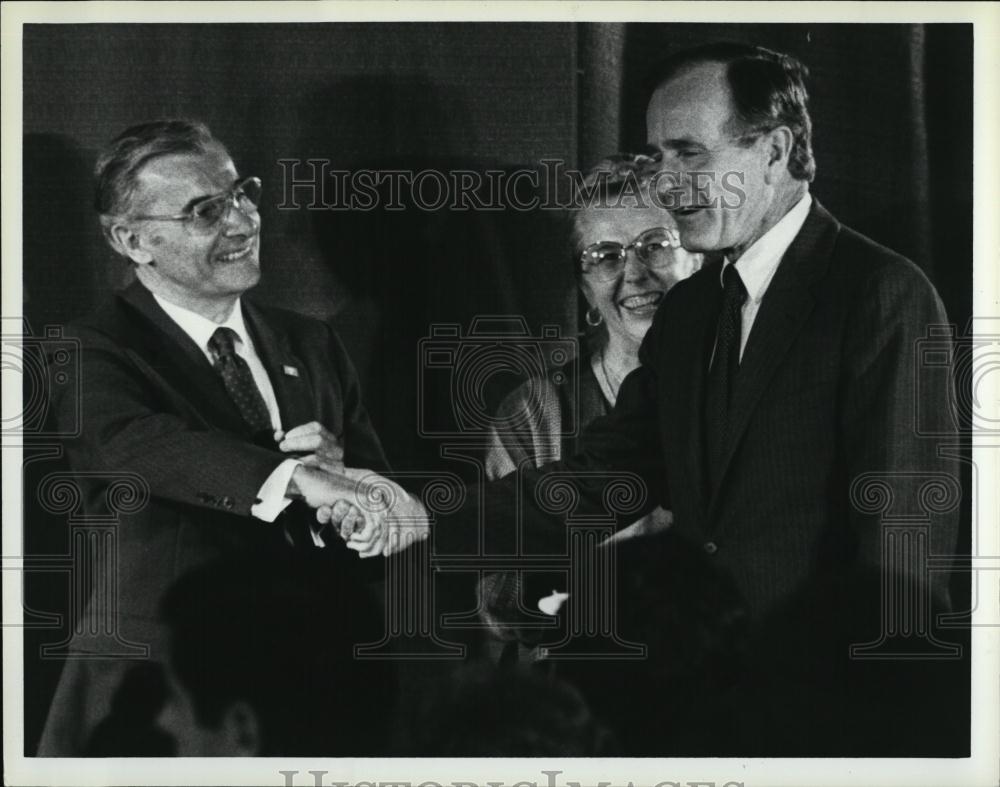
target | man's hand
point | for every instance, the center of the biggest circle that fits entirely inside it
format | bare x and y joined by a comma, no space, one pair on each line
404,517
322,449
319,488
360,512
408,523
342,516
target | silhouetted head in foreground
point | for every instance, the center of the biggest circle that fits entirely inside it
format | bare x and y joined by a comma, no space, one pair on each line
261,662
481,711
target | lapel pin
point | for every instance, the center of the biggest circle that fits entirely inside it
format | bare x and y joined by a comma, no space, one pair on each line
291,371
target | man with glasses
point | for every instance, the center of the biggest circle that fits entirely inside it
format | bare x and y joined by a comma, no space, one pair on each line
779,386
774,378
230,415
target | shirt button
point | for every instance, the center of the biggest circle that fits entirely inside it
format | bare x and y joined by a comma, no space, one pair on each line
711,547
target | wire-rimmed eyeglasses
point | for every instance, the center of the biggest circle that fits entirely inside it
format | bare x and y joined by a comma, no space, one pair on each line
205,215
653,248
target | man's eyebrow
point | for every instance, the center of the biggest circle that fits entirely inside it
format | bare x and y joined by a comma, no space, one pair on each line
202,197
189,206
679,142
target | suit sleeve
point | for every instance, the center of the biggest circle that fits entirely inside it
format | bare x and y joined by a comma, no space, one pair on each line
362,448
127,426
615,475
895,413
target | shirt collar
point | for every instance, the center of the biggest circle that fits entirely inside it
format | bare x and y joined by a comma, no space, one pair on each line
199,328
760,261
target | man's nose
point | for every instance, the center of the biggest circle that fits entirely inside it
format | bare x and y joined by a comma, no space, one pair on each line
670,184
240,221
669,177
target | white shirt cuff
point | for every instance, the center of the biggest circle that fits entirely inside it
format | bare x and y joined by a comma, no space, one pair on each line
271,499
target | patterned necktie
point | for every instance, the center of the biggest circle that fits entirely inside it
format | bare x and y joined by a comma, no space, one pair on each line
725,364
238,379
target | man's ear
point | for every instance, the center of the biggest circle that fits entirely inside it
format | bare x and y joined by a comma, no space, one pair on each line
778,148
241,730
127,242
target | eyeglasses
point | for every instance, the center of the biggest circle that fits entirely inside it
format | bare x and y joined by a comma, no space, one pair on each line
605,259
205,215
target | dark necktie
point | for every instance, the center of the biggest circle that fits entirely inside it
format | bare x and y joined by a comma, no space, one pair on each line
238,379
724,367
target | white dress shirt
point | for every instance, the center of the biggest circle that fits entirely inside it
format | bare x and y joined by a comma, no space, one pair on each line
272,493
759,263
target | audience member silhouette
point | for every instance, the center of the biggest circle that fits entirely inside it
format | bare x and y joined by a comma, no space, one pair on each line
677,701
262,662
481,711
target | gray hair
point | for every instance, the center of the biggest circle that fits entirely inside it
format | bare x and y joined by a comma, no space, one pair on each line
608,180
118,166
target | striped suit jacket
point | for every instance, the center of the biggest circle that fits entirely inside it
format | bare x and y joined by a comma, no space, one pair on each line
826,406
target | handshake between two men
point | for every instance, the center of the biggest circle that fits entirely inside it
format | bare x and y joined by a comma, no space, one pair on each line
373,515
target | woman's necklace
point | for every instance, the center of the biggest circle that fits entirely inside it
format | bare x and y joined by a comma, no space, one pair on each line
609,384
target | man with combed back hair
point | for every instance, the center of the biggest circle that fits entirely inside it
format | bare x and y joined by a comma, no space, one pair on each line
235,416
772,379
776,381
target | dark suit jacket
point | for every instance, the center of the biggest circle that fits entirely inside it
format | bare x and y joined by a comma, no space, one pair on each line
827,390
152,405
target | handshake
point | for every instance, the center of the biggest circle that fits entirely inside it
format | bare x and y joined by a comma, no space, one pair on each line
373,515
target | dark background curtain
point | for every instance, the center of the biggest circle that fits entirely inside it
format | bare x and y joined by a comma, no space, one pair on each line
891,106
892,109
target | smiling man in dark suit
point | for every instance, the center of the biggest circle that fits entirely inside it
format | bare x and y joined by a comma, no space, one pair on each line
234,415
800,353
773,379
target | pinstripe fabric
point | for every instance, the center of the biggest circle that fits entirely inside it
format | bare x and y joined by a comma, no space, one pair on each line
725,363
828,390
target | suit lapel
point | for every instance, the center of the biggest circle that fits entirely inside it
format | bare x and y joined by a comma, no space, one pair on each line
172,353
784,310
289,375
701,349
687,369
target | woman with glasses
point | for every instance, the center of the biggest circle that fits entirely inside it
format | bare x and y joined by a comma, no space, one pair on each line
626,256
